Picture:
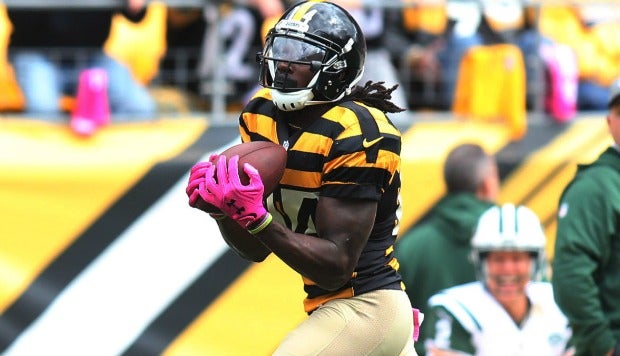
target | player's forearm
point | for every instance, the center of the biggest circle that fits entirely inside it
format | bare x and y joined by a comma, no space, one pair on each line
318,259
242,242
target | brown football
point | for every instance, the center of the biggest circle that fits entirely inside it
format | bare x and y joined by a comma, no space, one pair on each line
267,157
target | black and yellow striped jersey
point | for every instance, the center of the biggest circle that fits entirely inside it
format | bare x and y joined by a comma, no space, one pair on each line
350,151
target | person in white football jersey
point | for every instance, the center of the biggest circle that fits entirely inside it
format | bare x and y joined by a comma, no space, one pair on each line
508,311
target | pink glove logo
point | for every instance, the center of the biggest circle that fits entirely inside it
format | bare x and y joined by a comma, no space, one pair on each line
238,210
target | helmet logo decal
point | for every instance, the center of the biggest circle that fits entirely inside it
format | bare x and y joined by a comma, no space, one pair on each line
295,24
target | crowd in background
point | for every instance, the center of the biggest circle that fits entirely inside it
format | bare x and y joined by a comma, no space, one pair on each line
567,53
425,44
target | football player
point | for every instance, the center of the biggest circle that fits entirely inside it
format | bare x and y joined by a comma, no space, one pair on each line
334,217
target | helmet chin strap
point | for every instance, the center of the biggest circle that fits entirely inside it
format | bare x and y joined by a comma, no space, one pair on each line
297,100
292,101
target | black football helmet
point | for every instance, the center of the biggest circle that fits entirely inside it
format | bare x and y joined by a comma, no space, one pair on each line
325,37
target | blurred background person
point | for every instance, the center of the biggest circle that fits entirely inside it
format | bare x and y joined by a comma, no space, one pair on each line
590,29
46,75
417,39
434,253
380,66
508,311
233,34
586,263
428,40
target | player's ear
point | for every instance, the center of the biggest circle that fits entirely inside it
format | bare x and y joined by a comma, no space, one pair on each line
489,188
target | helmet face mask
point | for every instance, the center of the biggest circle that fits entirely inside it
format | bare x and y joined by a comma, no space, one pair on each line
320,38
281,54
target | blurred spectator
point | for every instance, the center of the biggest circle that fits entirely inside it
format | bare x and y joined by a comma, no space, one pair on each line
185,29
591,30
380,67
11,97
231,29
430,40
508,311
416,38
586,263
46,75
230,41
269,8
434,254
511,22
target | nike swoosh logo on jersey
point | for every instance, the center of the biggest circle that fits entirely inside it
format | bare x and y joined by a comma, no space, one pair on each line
367,143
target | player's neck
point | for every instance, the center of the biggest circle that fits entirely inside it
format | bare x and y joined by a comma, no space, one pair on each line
302,118
519,310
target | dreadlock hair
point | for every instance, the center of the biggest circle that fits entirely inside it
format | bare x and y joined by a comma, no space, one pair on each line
375,94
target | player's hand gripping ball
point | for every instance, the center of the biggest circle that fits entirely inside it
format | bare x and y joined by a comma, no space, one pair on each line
267,157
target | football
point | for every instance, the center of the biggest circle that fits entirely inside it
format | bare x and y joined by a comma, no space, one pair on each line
267,157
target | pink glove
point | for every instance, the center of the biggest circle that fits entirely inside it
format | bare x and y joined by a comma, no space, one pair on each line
197,178
242,203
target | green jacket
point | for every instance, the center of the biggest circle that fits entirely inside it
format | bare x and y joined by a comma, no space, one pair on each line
434,254
586,265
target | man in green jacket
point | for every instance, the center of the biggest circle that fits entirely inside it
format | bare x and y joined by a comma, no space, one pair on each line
434,254
586,265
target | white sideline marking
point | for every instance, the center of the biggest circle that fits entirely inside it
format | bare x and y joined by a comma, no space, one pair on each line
106,307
